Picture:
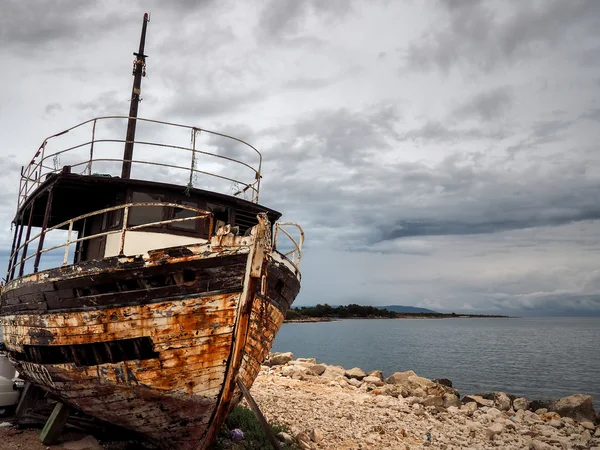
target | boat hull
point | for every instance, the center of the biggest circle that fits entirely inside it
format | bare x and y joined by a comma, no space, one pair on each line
152,344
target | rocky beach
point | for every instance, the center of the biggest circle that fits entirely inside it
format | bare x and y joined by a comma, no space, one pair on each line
330,407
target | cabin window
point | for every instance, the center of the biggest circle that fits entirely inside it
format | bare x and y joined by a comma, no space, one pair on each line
180,213
140,215
221,216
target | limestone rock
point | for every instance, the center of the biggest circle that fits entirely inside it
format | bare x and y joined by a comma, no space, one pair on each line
376,373
539,445
578,406
279,359
432,400
295,371
354,382
399,377
477,399
502,401
587,425
332,372
315,435
285,437
520,403
317,369
307,360
555,423
451,400
373,380
355,372
495,429
469,407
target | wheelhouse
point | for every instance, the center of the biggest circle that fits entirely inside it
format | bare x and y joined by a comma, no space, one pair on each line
84,210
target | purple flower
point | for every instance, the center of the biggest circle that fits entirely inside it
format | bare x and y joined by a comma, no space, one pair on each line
237,434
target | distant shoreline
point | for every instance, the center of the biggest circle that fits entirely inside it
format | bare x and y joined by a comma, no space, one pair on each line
399,316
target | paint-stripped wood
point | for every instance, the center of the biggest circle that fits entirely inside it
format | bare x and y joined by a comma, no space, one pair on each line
176,397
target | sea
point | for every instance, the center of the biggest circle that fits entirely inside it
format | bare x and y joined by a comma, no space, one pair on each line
537,358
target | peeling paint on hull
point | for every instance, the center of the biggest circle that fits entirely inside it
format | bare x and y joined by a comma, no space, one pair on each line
167,333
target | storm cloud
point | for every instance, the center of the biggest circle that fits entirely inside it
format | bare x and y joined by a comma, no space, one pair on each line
437,154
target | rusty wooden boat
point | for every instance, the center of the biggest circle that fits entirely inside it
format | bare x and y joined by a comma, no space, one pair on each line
139,290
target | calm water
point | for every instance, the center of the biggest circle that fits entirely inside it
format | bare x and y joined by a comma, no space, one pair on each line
533,357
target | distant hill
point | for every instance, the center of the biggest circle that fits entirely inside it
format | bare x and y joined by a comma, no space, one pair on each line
406,309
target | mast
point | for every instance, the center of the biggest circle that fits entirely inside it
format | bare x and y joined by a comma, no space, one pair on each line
139,71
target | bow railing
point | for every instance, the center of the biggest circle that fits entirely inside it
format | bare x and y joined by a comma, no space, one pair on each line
295,254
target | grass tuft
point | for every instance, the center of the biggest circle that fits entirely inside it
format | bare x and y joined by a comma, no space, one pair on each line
255,438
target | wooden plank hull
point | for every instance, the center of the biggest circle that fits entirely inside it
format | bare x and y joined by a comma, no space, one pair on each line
153,345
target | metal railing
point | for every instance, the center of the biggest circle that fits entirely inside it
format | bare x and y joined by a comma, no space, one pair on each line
295,254
14,257
47,161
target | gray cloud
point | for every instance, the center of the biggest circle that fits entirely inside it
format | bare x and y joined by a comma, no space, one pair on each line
487,105
485,33
283,19
435,131
196,107
35,28
592,114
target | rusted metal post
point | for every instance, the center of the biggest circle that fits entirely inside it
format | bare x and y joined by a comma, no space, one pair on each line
24,254
16,256
92,148
138,72
261,419
12,252
38,255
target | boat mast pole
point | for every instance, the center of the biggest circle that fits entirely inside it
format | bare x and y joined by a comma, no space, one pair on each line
139,71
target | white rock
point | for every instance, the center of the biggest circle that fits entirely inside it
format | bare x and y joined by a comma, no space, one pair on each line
520,403
354,382
432,400
355,372
577,406
587,425
315,435
332,372
539,445
279,359
373,380
285,437
469,407
307,360
495,429
502,401
376,373
451,400
555,423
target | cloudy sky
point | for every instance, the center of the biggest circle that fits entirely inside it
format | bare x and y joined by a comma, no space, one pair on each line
441,154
